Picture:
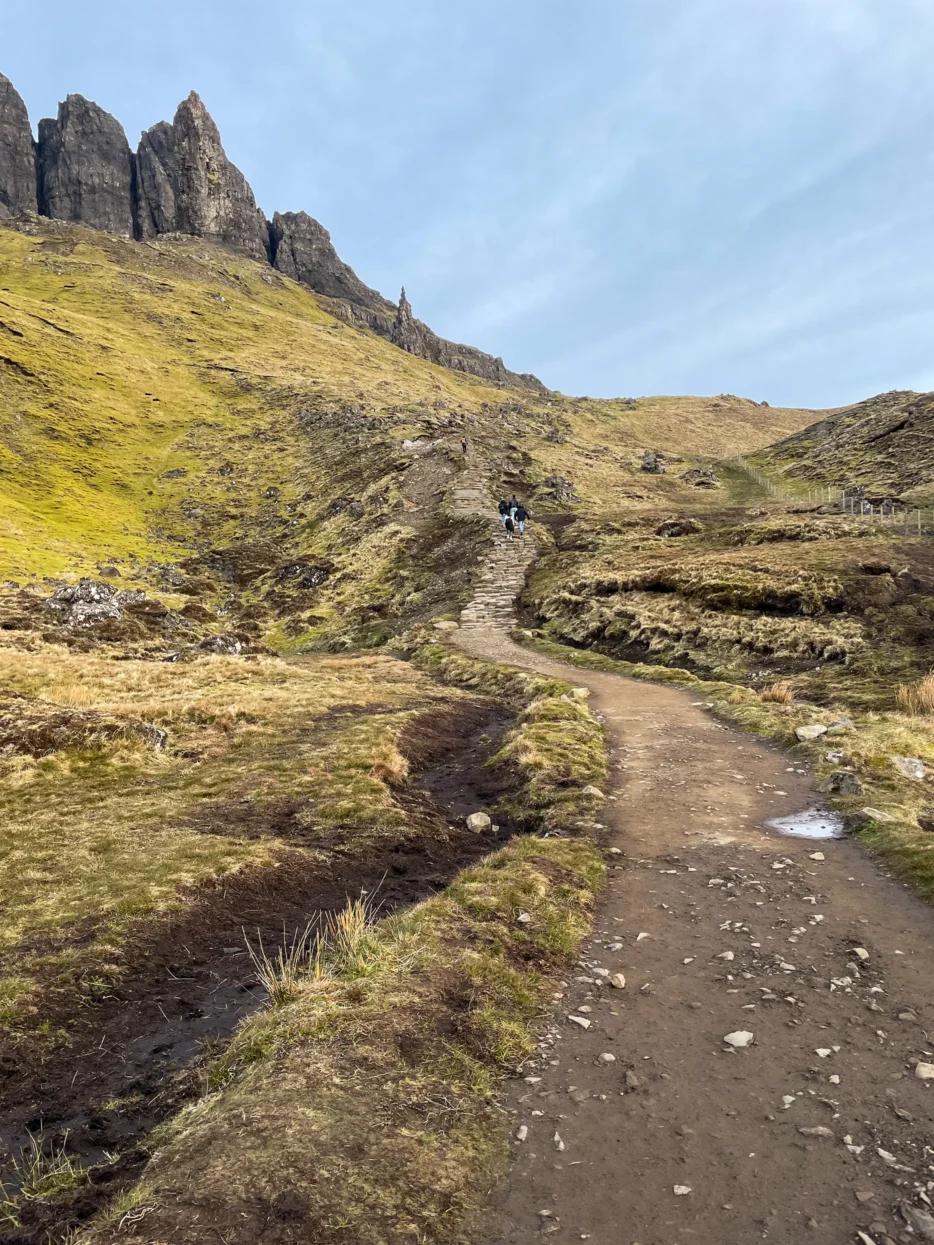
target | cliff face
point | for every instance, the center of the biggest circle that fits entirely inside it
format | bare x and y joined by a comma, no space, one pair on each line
187,184
180,181
85,168
301,248
17,155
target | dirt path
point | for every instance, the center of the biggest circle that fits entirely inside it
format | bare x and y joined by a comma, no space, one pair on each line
720,925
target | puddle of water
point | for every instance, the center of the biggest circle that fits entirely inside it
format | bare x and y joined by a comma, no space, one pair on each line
813,823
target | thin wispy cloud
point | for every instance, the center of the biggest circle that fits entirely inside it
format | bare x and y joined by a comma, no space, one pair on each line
684,195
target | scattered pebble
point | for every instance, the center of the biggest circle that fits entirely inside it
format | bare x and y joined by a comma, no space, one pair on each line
861,953
522,1132
822,1052
558,1143
924,1071
739,1039
682,1190
818,1131
607,1057
815,855
618,981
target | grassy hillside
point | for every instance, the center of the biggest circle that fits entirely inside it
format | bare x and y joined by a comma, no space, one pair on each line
884,445
214,747
163,399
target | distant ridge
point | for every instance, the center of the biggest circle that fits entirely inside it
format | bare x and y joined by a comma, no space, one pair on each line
179,181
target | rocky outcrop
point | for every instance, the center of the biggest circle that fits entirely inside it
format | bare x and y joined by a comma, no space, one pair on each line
85,168
181,182
411,334
187,184
17,154
301,248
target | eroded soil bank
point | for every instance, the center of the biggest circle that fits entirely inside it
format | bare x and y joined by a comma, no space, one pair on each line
132,1059
816,1129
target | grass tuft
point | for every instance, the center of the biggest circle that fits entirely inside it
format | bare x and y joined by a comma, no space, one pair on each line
780,692
917,699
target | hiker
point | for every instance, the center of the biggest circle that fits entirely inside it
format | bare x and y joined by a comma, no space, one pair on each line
503,510
513,506
464,444
520,516
509,526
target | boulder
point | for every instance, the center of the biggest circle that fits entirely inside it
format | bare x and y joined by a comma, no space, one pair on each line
479,822
866,816
83,604
909,767
842,782
678,527
653,462
592,792
85,167
700,478
806,734
17,154
187,184
220,644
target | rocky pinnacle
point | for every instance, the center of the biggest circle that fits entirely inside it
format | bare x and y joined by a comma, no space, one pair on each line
17,156
187,184
85,167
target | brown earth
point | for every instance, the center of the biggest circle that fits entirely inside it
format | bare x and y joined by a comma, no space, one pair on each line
120,1067
697,874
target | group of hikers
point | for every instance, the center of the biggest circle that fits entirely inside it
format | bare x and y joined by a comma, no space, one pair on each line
513,516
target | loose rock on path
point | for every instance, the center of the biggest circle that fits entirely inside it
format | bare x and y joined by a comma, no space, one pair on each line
771,1038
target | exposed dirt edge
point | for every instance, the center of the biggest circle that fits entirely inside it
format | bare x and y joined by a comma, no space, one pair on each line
365,1108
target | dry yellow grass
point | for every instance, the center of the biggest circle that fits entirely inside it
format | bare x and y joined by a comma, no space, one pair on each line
917,699
107,834
780,692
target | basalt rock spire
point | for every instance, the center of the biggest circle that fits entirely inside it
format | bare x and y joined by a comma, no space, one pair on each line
187,184
17,154
86,171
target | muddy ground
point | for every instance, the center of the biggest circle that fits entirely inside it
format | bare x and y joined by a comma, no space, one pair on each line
134,1058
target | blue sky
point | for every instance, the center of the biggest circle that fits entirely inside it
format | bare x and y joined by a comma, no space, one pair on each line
629,197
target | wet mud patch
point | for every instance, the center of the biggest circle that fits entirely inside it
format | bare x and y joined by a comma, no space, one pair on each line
135,1057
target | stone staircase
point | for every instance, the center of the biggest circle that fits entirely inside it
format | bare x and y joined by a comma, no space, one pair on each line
504,564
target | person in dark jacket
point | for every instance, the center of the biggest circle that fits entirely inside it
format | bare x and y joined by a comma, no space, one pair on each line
513,503
503,510
509,526
520,515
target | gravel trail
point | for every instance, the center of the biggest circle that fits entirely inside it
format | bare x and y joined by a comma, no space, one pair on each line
643,1125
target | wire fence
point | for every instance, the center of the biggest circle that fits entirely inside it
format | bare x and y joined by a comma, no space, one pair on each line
848,500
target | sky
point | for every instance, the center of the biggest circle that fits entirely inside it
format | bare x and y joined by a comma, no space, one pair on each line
623,196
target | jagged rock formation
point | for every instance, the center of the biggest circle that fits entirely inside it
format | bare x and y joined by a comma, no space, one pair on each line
181,182
17,155
85,167
302,249
187,184
417,338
